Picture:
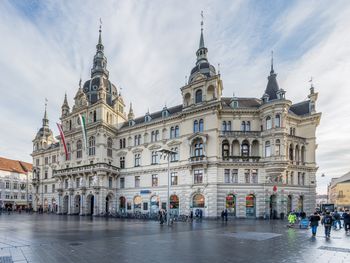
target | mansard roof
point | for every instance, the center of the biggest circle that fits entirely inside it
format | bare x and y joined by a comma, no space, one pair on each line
156,115
301,108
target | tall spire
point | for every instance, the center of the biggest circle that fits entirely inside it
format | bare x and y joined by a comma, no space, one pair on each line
202,50
45,119
100,61
272,71
131,115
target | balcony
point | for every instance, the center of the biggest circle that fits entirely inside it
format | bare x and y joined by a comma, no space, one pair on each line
241,159
297,138
240,133
196,160
90,168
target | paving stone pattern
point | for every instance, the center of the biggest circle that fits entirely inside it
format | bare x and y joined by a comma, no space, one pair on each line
52,238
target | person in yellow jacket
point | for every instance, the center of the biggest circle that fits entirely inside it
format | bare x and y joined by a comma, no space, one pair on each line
292,218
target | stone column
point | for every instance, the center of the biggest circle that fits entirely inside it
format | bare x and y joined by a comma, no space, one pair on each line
59,209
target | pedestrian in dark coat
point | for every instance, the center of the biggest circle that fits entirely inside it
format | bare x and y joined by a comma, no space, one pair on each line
314,219
222,215
226,214
327,221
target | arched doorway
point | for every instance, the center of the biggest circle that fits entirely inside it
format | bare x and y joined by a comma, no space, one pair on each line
54,206
137,204
198,204
301,204
122,204
289,204
46,205
231,204
109,203
77,199
65,205
154,204
174,205
273,207
250,205
90,204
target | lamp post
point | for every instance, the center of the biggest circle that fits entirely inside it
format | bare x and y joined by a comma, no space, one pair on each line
167,153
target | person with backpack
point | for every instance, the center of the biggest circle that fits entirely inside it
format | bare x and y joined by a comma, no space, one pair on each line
327,221
314,219
336,217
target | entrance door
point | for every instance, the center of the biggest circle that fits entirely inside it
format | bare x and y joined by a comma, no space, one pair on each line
107,205
250,205
92,201
273,207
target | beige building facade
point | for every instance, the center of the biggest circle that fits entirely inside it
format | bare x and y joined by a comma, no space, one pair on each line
339,192
252,156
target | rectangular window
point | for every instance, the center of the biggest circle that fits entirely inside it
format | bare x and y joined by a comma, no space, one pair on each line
46,174
23,196
227,176
77,182
128,205
164,205
145,206
198,176
66,183
174,157
154,180
53,188
173,178
299,179
53,158
37,162
90,181
110,182
137,159
155,157
15,185
122,162
122,183
45,189
137,181
254,176
235,176
15,196
46,160
7,185
247,176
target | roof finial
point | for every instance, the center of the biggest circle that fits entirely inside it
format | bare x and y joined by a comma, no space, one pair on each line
100,30
202,20
272,71
219,68
201,41
45,104
80,82
312,89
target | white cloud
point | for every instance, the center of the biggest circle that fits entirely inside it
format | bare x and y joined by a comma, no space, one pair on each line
150,48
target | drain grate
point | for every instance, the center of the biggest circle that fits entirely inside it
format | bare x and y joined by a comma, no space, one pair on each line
336,249
74,244
6,260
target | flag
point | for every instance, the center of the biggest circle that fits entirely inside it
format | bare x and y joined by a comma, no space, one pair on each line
63,139
83,128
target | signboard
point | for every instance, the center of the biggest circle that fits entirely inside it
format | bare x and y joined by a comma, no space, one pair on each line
145,192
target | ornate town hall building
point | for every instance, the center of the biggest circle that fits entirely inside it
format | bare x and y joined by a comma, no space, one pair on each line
253,156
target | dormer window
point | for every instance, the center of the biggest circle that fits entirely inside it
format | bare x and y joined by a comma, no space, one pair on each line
165,113
148,118
131,122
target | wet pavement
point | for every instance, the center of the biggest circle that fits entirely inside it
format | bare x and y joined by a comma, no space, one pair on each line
53,238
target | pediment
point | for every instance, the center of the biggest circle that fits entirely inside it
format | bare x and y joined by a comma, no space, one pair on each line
174,143
121,153
137,150
154,147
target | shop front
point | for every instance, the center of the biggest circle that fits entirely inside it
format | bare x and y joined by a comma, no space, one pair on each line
231,204
174,205
250,206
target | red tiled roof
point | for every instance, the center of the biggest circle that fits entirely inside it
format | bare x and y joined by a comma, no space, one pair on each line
15,166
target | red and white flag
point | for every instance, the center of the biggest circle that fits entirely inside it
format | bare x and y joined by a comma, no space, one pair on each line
63,139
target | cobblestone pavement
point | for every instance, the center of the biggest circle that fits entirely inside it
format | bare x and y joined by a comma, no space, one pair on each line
53,238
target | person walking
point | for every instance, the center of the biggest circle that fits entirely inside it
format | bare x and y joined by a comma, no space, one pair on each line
346,217
327,221
222,215
314,219
226,215
191,216
337,221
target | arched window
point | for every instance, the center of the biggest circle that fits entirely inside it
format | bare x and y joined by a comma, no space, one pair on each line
79,149
277,121
243,126
278,147
247,126
225,150
228,126
195,126
201,125
224,127
268,123
245,149
267,149
109,147
177,131
172,132
199,96
95,117
198,148
291,151
198,201
91,146
302,154
69,151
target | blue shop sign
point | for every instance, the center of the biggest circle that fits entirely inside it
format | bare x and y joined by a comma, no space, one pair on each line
144,192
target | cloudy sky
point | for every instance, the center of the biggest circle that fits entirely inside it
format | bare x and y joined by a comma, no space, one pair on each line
150,45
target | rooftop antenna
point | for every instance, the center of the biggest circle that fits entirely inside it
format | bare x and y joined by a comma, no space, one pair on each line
219,68
185,80
202,16
272,71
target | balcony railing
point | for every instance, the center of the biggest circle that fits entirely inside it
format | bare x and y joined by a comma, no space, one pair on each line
236,159
198,159
240,133
86,168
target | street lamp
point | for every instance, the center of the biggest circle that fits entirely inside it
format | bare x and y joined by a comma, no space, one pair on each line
167,153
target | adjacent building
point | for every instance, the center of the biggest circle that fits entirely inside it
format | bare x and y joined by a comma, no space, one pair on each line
15,184
339,192
252,156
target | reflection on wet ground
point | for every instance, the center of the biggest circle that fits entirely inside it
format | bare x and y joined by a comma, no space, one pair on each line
52,238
